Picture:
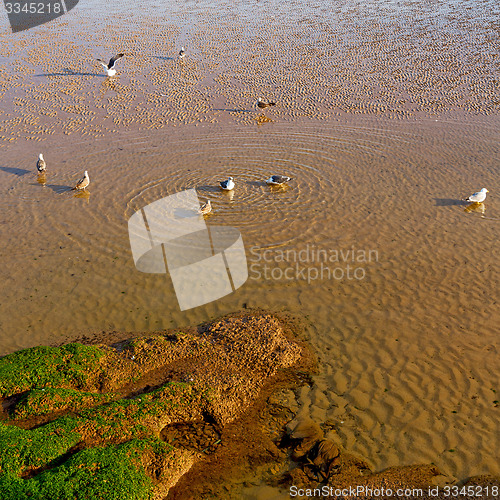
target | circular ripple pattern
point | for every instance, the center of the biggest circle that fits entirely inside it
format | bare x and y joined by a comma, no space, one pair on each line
338,178
130,173
254,207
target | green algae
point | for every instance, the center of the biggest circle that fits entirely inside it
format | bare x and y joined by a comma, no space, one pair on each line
78,425
40,402
72,366
107,472
133,418
22,450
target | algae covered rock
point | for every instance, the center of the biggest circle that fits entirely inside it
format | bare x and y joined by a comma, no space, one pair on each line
87,421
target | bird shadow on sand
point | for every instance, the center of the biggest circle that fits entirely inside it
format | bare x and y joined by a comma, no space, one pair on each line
59,188
163,58
15,171
69,72
207,189
234,110
448,202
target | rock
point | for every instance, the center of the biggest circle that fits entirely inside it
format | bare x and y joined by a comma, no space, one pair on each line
327,457
306,433
327,451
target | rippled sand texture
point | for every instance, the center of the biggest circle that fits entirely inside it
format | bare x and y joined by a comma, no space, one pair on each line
319,60
409,354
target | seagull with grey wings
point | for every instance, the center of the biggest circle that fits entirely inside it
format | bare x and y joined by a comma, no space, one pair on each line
478,197
41,166
227,185
82,184
264,103
110,67
278,180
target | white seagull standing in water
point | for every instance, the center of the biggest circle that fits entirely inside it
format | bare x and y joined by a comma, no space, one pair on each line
82,183
110,67
206,208
278,180
41,166
478,197
264,103
182,53
227,185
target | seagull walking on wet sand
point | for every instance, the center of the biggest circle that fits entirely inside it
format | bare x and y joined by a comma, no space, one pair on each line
82,183
182,53
227,185
478,197
264,103
41,166
110,67
278,180
206,208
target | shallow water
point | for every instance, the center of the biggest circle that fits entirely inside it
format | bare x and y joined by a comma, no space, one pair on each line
384,131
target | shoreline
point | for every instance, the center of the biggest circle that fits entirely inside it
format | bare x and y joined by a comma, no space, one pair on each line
255,443
400,344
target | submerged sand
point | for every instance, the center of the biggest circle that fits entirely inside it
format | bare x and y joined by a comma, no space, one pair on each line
320,61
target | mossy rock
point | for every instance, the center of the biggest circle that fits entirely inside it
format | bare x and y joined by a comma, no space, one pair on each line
24,450
40,402
70,366
84,421
104,473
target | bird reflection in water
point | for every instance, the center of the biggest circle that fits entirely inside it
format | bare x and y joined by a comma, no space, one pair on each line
110,84
475,207
261,119
82,194
228,194
42,179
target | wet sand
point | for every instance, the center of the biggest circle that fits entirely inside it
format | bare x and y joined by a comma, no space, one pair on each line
387,117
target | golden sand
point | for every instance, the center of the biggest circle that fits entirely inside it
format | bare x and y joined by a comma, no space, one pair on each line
402,63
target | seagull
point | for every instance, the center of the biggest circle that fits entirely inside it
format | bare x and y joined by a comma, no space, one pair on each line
264,103
278,180
82,183
110,67
40,164
227,185
182,53
206,208
478,197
